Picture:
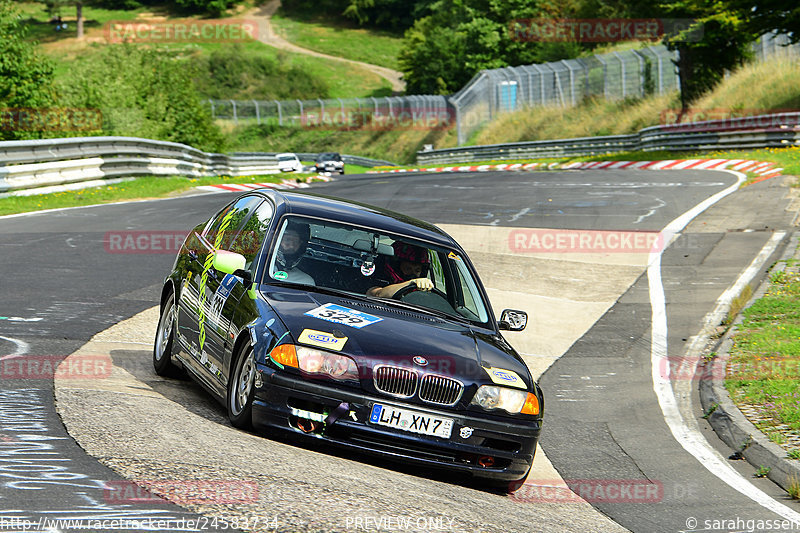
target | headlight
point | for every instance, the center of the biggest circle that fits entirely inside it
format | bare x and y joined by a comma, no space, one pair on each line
329,364
514,401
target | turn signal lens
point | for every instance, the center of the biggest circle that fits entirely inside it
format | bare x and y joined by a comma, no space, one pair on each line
284,355
531,406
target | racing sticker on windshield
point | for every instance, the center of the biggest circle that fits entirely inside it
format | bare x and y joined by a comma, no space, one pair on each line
343,315
322,339
506,377
367,268
280,275
453,256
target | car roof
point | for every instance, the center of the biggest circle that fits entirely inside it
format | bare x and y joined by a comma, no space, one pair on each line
350,212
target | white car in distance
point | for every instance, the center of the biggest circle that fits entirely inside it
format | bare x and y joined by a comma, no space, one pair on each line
289,162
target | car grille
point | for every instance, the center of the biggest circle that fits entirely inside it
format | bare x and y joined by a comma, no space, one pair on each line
402,382
439,389
396,381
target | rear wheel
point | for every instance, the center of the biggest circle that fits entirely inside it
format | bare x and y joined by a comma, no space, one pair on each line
165,336
241,389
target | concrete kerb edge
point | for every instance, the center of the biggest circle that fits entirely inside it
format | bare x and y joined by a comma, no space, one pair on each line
728,422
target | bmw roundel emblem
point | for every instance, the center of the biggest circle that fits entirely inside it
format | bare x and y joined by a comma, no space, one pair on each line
421,361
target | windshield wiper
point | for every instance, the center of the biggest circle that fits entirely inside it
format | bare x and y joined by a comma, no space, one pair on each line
422,309
312,288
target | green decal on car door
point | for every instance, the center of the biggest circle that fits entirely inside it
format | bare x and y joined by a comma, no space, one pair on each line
204,276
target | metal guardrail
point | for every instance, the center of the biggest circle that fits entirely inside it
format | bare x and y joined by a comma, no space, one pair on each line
49,162
763,131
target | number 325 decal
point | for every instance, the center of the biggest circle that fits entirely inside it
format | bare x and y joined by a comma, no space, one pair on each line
343,315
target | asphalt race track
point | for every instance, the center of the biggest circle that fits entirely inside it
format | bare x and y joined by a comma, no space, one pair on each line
605,428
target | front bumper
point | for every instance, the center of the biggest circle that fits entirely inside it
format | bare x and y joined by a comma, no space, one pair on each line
282,399
328,168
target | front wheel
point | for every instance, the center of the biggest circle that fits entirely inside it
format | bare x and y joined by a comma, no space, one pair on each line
241,389
165,336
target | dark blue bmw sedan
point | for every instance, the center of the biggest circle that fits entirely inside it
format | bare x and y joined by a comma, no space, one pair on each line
327,319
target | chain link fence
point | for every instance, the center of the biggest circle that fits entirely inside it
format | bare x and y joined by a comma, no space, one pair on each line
615,75
389,112
631,73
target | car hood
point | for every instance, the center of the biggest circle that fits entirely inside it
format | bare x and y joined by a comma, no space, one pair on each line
450,348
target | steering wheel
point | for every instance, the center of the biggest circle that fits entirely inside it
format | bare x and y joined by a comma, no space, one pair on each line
408,289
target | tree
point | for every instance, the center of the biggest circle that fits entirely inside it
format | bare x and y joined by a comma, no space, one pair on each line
445,49
395,15
717,41
54,9
25,76
212,7
764,16
142,92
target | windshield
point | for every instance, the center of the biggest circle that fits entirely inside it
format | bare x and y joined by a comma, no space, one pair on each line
286,158
374,264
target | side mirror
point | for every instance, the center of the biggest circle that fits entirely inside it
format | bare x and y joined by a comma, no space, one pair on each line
228,262
512,320
246,275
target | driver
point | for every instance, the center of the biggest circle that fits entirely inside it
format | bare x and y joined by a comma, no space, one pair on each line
409,266
290,251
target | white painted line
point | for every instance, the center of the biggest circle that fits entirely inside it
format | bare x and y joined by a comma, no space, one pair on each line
715,317
22,348
692,441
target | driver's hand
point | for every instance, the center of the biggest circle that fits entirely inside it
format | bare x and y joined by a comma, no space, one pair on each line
423,284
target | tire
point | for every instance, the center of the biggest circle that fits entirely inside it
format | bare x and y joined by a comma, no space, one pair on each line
241,390
165,337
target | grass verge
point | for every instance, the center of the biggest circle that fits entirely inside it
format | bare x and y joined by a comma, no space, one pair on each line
764,367
338,38
140,189
767,87
341,80
135,189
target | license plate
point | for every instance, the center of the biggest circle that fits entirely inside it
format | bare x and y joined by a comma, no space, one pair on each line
411,421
